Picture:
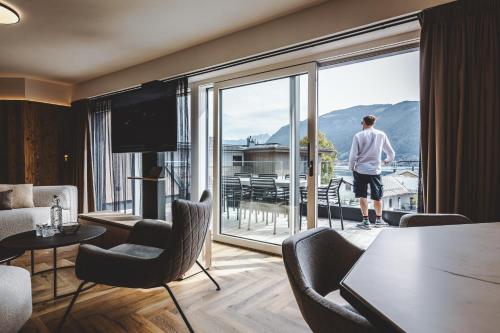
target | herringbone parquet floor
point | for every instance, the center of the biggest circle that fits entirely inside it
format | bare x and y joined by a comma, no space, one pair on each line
255,297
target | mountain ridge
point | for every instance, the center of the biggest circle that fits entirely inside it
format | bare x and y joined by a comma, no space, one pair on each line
400,121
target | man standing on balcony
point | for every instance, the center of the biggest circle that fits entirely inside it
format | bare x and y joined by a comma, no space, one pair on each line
365,163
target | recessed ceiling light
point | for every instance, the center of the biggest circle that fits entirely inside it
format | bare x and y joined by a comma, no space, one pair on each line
8,15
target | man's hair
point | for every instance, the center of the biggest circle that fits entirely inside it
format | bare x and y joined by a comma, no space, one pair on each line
369,120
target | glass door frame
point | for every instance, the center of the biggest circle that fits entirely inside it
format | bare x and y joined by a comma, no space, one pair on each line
311,69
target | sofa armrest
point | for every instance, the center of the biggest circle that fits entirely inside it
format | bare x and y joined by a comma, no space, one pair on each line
43,196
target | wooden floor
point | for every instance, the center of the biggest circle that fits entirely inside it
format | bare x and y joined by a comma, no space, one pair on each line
255,297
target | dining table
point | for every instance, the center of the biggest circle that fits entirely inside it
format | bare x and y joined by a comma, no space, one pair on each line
429,279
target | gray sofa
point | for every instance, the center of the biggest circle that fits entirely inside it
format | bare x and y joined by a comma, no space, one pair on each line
15,298
15,282
24,219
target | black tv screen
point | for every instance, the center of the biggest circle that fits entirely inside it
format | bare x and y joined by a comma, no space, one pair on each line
145,120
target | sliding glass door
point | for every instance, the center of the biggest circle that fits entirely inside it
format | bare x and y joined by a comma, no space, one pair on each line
384,85
262,154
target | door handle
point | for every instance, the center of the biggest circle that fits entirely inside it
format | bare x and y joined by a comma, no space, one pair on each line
311,168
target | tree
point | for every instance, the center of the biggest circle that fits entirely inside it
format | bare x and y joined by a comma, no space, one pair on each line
327,158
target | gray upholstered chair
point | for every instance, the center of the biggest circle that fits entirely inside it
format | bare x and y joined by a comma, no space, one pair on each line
427,220
316,261
155,254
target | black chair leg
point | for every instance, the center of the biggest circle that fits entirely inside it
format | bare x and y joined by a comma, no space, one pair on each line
179,308
329,215
75,296
300,214
341,216
210,276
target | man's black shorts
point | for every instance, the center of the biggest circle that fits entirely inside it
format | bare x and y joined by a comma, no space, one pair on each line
361,182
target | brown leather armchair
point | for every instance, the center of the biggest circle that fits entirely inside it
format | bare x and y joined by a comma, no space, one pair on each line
155,254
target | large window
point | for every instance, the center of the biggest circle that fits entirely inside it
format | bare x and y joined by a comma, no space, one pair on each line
263,156
385,86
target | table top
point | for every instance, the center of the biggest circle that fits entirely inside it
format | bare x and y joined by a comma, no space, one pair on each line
7,254
29,241
430,279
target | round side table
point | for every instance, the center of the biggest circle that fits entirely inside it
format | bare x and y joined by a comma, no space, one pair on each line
29,241
7,254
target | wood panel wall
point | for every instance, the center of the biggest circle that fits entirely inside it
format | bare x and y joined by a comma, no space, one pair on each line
34,137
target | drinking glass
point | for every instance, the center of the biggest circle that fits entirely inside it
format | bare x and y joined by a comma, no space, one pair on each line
45,230
39,228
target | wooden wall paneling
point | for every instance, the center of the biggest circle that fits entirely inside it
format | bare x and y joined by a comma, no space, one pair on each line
11,145
29,144
44,143
4,154
33,142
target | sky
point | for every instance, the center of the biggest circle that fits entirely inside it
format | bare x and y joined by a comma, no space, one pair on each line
264,107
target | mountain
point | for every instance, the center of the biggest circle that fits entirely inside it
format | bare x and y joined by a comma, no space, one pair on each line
259,138
401,123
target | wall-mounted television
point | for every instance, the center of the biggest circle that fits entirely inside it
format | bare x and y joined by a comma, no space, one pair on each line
145,119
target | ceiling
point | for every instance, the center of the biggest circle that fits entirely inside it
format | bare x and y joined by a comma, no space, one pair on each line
73,40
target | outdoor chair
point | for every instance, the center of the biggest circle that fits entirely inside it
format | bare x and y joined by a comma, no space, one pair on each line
242,175
316,261
301,176
233,194
155,254
268,175
427,220
303,204
330,195
327,197
263,194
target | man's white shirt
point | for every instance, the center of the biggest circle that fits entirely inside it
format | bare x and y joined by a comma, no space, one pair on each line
366,151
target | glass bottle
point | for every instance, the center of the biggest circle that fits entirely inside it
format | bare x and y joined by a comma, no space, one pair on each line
56,214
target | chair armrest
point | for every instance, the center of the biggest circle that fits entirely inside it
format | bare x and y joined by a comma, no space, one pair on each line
98,265
151,233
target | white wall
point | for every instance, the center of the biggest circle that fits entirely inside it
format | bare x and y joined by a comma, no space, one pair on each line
326,19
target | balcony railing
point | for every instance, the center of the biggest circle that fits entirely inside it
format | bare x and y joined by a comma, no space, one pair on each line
401,189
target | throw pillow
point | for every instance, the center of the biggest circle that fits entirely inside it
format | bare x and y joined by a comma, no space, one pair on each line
22,195
6,200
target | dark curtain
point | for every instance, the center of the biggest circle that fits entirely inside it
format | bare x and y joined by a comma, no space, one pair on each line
81,171
178,163
113,190
460,109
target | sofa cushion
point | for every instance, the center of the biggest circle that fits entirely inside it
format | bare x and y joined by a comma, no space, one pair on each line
22,195
6,200
15,298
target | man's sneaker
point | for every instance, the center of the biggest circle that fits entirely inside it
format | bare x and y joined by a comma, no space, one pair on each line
379,223
364,225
